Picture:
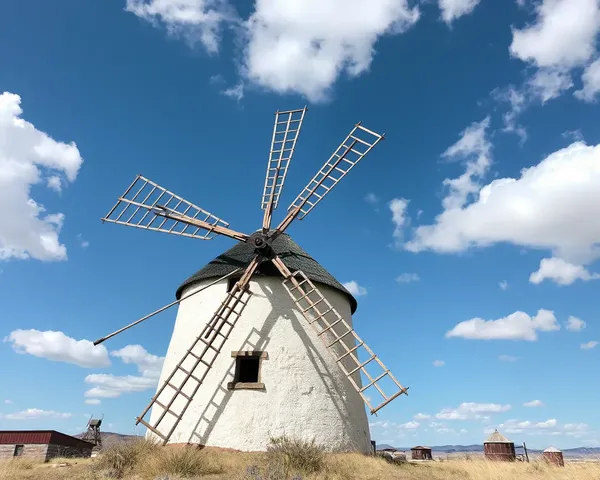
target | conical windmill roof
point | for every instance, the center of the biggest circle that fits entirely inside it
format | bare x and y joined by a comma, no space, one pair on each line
497,437
240,255
552,450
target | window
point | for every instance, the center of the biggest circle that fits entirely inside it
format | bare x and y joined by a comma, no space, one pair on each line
18,450
231,281
247,370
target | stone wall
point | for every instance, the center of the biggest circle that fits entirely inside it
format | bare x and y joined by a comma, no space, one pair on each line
43,452
62,451
31,452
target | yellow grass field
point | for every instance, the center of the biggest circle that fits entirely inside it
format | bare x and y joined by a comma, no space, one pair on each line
286,461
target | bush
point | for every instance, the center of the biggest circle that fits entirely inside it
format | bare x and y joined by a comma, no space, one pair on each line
296,455
121,458
182,462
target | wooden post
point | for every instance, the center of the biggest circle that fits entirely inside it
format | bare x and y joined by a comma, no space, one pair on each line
526,454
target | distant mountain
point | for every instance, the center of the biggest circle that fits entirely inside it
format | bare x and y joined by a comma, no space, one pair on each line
110,438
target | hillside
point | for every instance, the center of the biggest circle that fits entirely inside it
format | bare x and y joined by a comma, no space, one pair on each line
110,438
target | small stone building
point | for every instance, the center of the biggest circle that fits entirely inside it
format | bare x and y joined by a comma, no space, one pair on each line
421,453
553,456
41,445
499,448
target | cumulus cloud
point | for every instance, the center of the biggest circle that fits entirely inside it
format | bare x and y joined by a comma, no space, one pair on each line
409,425
422,416
552,206
355,289
561,272
438,363
58,347
30,157
399,218
516,326
589,345
113,386
35,414
475,149
408,278
453,9
534,403
194,20
294,47
575,324
236,92
471,411
563,34
515,426
591,83
291,46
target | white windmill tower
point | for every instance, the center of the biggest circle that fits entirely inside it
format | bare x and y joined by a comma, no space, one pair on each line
263,342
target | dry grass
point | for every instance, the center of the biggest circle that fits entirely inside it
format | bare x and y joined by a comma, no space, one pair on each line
286,459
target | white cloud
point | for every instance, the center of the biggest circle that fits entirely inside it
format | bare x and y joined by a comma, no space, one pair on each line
591,82
561,272
92,401
112,386
355,289
193,20
514,426
473,147
453,9
563,34
409,425
55,183
516,326
236,92
82,243
408,278
291,46
371,198
518,100
8,402
534,403
507,358
575,324
58,347
438,363
574,134
547,84
29,157
34,414
294,47
589,345
399,219
503,284
471,411
551,206
422,416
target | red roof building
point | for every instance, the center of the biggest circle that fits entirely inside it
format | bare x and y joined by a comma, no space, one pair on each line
41,445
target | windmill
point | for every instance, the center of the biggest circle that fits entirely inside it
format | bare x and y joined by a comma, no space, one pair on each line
309,379
92,433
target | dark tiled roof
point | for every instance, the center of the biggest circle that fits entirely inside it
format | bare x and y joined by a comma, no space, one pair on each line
240,255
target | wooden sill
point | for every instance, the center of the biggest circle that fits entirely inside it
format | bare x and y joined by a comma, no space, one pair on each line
245,386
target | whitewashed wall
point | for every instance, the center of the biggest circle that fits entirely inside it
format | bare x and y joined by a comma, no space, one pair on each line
306,395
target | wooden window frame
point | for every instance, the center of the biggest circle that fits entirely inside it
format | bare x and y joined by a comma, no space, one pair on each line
236,385
17,448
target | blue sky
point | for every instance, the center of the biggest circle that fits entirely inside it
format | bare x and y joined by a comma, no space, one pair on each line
471,233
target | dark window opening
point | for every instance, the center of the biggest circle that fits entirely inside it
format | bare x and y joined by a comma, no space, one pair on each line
18,450
231,281
247,369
